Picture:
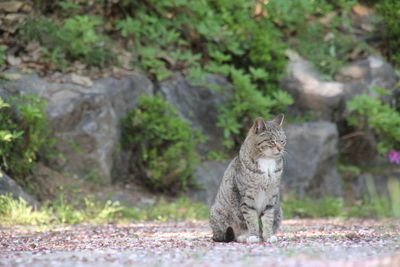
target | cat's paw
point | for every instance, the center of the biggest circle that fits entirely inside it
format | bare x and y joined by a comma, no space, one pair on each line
248,239
253,239
241,238
272,239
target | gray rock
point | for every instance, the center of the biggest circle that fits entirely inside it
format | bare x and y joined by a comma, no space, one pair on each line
208,176
198,105
311,93
327,99
373,71
86,120
9,186
311,159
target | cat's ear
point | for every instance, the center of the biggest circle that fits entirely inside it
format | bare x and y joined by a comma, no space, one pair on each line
258,126
278,119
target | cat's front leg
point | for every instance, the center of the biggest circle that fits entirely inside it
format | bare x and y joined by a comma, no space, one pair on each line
267,220
251,218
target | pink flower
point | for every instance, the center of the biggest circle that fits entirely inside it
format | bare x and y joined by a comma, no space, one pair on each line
394,157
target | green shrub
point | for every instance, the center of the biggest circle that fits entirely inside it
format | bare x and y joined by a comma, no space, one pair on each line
163,145
24,131
87,210
82,210
179,210
390,12
82,42
328,54
2,55
372,115
327,45
17,211
171,36
76,39
247,103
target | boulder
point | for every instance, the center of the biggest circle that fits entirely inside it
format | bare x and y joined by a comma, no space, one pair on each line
199,105
311,93
310,163
85,119
371,71
9,186
327,99
208,176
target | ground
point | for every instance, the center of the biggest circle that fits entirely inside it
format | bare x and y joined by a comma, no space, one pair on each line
301,242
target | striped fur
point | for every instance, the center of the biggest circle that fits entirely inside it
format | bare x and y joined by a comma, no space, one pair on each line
247,207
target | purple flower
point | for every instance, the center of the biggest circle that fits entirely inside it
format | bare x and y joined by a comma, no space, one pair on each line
394,157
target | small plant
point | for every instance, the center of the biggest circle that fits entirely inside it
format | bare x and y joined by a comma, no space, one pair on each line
5,134
17,211
247,103
372,115
76,39
312,208
24,132
2,55
83,210
178,210
390,12
163,145
60,211
82,42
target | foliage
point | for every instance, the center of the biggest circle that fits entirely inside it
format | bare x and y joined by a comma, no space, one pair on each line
24,131
312,208
18,212
2,55
319,30
328,52
372,205
372,115
180,209
5,134
77,39
390,12
221,37
214,31
162,143
82,210
247,103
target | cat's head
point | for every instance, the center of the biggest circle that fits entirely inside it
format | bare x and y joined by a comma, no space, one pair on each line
266,138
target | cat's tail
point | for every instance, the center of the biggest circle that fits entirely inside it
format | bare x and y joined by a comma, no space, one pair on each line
224,236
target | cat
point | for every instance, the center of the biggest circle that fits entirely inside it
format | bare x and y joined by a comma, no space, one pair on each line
247,205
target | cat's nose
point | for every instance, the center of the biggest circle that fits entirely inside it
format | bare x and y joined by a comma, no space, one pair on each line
279,147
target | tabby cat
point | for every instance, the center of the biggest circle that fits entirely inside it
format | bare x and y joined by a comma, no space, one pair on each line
247,208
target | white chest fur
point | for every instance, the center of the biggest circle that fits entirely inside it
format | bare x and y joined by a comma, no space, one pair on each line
267,165
260,201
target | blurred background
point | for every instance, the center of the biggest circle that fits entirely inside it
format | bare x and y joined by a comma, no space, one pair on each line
117,110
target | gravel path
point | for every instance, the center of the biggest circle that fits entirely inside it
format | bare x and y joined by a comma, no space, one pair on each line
306,242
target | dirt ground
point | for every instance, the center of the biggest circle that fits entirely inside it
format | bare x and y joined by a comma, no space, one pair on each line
302,242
